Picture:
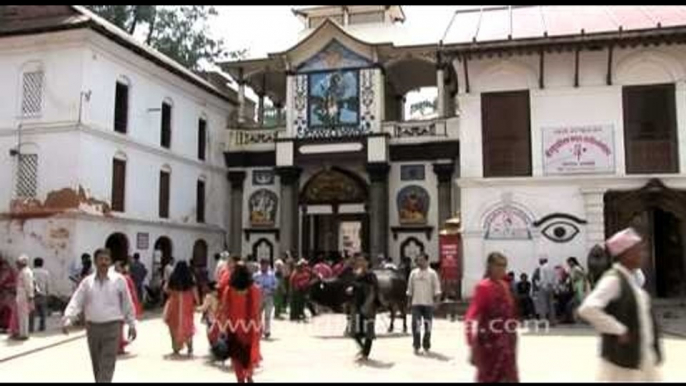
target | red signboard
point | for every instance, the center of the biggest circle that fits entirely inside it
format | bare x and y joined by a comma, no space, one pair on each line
450,247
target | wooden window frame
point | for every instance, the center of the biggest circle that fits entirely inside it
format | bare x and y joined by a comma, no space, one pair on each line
118,185
489,168
164,193
200,193
634,166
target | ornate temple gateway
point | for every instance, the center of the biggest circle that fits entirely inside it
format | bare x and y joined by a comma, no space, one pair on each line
555,126
343,170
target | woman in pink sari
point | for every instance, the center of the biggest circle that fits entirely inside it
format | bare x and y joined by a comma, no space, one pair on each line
179,310
491,325
122,267
8,292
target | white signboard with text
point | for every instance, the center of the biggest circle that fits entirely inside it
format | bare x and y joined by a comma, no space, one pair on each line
578,150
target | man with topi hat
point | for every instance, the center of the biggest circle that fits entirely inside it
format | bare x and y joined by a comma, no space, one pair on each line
621,311
25,295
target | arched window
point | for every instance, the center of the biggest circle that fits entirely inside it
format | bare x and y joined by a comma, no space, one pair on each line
166,123
121,105
32,78
202,137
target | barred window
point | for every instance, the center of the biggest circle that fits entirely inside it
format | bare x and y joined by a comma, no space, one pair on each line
32,93
27,176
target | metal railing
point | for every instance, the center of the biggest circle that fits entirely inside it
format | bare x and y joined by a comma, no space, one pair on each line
417,129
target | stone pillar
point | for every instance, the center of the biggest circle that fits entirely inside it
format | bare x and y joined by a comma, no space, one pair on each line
279,113
241,102
440,85
400,106
594,205
289,227
306,232
378,208
444,175
260,109
236,179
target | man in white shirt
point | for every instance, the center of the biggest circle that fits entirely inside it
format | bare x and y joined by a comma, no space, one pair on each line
620,310
41,278
546,291
423,289
25,293
104,298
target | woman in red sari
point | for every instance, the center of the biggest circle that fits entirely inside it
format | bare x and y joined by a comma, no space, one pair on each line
122,267
179,311
491,325
239,318
8,293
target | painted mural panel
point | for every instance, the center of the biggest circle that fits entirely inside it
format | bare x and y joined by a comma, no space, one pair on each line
333,56
263,177
412,172
413,205
334,99
263,205
507,223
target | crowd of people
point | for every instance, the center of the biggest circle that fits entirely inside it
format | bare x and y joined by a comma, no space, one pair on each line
24,295
237,305
552,293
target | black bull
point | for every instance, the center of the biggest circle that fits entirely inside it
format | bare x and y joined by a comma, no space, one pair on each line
331,293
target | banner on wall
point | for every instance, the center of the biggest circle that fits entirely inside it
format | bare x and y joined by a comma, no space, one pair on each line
578,149
449,246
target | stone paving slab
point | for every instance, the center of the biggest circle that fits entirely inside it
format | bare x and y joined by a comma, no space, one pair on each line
317,351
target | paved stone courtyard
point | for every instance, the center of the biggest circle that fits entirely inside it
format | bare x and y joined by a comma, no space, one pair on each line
316,351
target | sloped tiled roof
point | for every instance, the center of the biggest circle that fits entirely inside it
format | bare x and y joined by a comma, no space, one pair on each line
15,20
525,22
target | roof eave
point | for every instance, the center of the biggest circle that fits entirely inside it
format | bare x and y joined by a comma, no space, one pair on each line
563,39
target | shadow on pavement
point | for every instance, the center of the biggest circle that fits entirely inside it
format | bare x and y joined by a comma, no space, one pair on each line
376,364
178,357
437,356
222,366
126,356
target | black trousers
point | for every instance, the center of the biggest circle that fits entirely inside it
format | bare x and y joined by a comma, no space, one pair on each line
363,332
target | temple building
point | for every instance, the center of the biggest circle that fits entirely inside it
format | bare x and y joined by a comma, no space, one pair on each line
555,127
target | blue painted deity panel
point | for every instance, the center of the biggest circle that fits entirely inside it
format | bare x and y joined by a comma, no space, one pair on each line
334,55
334,99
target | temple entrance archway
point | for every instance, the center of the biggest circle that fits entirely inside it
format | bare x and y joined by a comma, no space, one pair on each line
335,220
164,245
658,213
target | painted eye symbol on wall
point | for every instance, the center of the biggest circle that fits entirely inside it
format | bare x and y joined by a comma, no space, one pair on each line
560,231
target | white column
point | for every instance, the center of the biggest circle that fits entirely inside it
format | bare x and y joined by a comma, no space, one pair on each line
595,215
241,102
260,110
279,113
440,98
